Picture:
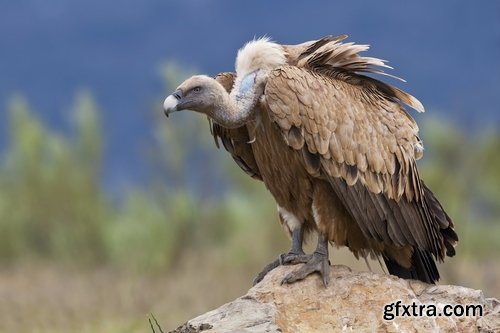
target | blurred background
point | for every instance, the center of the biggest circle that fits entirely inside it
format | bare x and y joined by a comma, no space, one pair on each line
109,211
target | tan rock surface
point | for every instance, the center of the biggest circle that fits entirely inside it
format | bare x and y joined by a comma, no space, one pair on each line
354,302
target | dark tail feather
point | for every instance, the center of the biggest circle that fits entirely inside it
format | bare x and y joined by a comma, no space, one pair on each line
423,267
450,238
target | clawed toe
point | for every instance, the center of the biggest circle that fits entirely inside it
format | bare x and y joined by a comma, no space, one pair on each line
269,267
294,258
317,263
289,258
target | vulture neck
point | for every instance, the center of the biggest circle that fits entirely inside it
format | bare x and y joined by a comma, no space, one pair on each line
235,109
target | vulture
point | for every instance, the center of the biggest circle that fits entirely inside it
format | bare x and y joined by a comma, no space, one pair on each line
335,147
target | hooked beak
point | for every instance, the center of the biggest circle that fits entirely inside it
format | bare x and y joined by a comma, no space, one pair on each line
171,102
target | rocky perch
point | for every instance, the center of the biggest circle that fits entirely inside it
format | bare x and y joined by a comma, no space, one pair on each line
354,302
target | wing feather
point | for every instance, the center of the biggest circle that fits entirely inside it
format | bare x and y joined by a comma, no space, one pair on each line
366,145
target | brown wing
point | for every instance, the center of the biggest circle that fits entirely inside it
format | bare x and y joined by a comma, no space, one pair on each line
363,142
235,140
331,53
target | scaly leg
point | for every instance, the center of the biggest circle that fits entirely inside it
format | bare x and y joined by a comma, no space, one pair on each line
294,256
318,262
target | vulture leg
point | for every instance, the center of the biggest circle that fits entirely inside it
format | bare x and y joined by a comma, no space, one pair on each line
294,256
318,262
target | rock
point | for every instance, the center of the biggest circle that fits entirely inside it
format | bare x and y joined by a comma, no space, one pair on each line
353,302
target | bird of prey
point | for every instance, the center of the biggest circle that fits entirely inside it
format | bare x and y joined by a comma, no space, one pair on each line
335,147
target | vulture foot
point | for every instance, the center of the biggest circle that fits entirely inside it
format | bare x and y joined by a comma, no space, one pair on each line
318,262
295,256
290,258
269,267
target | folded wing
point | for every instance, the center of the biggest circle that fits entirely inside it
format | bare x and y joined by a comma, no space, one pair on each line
353,132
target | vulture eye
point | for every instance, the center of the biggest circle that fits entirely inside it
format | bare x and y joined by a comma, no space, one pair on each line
197,89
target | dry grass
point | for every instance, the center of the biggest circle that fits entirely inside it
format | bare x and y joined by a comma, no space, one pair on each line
50,299
39,298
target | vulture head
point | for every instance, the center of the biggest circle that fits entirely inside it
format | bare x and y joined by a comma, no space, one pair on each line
199,93
205,95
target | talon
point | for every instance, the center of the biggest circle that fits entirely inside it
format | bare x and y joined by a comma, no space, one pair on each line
269,267
294,259
295,256
325,273
288,279
283,259
318,262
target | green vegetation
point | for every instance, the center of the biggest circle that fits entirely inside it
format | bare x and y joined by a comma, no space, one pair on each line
52,205
464,172
54,208
204,227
